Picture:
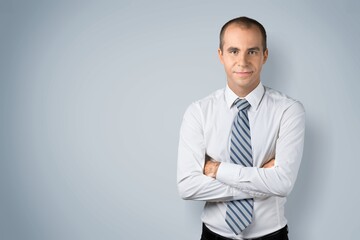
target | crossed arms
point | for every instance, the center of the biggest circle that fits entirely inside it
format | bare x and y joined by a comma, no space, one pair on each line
200,177
211,166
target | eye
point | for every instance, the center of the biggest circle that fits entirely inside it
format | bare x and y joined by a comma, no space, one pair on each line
253,52
234,52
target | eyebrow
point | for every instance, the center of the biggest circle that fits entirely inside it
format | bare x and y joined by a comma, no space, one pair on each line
230,49
254,49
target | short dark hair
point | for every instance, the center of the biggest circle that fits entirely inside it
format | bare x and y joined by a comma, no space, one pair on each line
243,22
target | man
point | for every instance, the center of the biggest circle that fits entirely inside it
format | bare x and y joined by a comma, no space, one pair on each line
240,148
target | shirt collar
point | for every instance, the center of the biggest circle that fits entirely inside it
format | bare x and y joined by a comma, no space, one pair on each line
253,97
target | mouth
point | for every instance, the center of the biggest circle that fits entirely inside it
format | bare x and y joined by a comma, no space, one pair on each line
242,73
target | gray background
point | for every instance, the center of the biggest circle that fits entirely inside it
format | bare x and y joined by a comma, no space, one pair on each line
92,95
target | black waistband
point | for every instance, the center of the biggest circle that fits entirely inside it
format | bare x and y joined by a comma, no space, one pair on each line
209,235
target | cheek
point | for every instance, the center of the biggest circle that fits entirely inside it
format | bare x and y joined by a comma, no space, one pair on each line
230,63
257,65
229,67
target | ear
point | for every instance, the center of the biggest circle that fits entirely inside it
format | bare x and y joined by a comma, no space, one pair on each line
221,57
266,55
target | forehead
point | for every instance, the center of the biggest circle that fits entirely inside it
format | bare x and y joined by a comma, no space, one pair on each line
238,35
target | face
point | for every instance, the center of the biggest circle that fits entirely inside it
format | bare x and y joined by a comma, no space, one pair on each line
243,57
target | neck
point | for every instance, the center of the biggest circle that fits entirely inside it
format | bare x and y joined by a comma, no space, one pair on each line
242,91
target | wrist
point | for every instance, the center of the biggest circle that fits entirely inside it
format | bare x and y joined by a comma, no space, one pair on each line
216,167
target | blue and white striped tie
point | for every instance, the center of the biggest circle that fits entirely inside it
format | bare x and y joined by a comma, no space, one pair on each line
239,213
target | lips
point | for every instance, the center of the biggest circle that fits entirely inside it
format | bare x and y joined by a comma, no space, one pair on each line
242,73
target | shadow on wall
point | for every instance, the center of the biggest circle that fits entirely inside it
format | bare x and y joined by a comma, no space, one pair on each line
277,69
311,181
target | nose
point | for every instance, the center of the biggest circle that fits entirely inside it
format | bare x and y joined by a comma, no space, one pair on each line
242,60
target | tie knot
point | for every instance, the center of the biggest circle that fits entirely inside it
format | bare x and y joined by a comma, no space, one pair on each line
242,104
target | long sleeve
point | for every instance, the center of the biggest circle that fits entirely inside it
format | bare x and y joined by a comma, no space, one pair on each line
192,183
279,180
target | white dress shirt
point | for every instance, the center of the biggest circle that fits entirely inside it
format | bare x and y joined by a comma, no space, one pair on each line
277,125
